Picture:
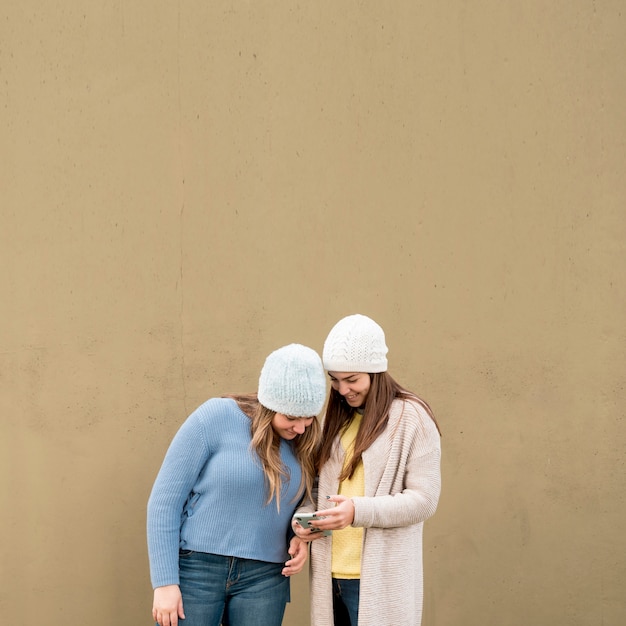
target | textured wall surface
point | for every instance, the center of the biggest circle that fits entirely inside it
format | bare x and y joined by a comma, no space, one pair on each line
187,186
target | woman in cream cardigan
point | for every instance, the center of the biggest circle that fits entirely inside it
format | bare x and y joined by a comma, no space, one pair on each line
379,480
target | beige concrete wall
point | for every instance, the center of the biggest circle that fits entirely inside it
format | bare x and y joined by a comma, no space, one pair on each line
186,186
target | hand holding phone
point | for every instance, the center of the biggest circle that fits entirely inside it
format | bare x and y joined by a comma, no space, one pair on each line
304,520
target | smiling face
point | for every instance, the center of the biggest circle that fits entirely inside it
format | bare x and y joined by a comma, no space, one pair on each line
288,427
353,386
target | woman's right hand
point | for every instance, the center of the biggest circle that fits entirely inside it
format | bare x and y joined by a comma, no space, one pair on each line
306,534
168,605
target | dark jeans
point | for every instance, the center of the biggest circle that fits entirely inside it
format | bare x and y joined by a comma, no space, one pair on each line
231,591
346,601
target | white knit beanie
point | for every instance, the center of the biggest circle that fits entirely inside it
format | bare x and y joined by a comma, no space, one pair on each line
355,344
293,382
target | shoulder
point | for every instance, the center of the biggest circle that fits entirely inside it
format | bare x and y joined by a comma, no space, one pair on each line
216,408
215,415
212,421
411,417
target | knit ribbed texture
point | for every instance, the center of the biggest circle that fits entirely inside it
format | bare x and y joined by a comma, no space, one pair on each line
355,344
292,381
402,485
210,494
347,542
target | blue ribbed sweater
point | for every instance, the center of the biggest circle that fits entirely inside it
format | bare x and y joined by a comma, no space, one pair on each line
210,494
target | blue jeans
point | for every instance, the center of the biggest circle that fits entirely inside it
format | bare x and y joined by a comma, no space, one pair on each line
231,591
346,601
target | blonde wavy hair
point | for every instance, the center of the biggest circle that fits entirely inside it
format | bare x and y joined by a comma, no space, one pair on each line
266,443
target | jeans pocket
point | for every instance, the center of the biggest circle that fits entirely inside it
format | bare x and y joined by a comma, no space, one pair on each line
185,553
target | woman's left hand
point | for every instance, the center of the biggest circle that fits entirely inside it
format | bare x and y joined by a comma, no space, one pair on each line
298,551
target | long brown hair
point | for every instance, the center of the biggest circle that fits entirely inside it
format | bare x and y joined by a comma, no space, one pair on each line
266,443
382,392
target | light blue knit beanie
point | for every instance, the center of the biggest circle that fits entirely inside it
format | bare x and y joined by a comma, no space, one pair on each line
293,382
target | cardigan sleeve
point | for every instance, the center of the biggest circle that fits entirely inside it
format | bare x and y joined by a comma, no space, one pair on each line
409,489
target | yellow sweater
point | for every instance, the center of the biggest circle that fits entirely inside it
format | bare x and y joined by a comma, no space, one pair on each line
347,543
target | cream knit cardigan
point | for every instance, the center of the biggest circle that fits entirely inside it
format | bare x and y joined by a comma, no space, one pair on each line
402,485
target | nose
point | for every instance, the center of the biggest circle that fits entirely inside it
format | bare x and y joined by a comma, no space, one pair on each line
299,427
343,388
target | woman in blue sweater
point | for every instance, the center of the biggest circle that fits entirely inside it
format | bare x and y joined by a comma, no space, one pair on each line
219,539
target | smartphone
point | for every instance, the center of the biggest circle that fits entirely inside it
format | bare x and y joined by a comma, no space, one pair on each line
304,518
